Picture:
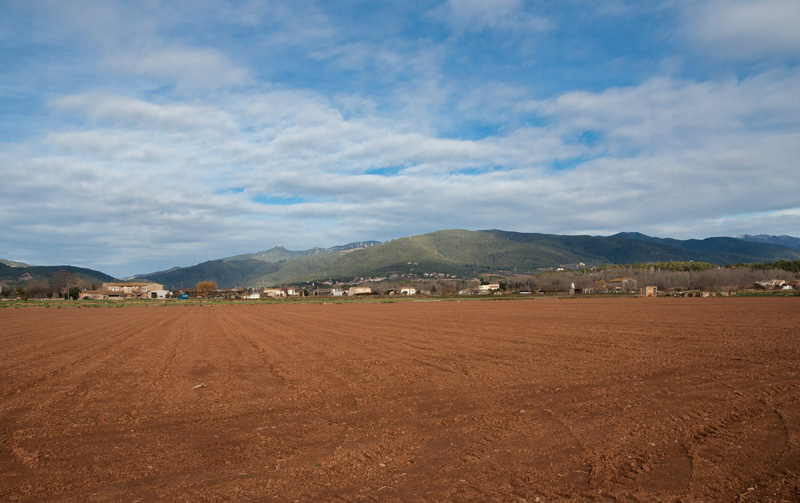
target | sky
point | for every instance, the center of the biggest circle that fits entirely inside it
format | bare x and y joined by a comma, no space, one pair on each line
136,136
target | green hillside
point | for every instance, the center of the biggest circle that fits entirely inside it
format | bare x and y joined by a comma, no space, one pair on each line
722,250
276,254
464,253
281,254
226,273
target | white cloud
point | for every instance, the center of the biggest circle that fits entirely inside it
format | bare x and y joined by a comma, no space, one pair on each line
477,15
743,29
128,112
660,147
663,113
189,68
497,102
180,147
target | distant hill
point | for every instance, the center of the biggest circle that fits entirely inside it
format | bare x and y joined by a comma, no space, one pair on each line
11,263
453,252
263,268
789,241
13,275
722,250
281,254
227,273
464,253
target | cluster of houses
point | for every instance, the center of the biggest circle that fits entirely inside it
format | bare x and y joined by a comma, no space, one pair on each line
487,289
293,292
333,292
150,290
616,285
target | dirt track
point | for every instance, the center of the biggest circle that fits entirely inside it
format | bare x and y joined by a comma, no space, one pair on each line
558,400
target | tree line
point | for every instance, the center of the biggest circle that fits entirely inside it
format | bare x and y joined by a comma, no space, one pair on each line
666,276
63,284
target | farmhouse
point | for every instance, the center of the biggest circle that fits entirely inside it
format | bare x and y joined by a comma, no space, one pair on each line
280,292
408,291
622,285
133,290
93,295
359,290
769,285
491,287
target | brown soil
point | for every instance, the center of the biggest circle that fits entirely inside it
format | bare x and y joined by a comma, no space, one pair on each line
559,400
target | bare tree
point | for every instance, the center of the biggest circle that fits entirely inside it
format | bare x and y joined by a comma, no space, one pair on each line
62,280
206,288
37,288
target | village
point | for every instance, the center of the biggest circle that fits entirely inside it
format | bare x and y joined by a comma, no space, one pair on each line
654,280
620,285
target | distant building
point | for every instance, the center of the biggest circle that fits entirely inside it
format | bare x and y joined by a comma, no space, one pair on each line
359,290
491,287
620,285
769,285
408,291
93,295
650,291
132,290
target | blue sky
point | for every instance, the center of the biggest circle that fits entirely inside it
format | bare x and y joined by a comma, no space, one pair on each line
137,136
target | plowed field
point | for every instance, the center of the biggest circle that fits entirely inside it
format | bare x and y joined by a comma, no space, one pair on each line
532,400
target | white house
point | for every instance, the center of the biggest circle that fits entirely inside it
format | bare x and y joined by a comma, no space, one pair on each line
359,290
133,290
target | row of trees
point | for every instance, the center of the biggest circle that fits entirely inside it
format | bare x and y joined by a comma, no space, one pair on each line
709,279
63,284
66,285
784,265
666,276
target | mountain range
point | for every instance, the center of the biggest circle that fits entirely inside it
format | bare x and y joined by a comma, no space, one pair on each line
450,253
791,242
463,253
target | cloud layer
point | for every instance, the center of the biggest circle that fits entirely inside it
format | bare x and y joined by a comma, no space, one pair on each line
194,132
